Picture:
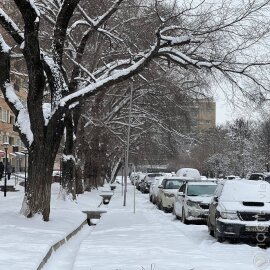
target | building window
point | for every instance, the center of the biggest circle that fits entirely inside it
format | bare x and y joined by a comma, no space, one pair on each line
5,138
4,115
11,141
18,142
12,119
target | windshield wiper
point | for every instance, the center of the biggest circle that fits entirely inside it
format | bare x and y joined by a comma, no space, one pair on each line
192,194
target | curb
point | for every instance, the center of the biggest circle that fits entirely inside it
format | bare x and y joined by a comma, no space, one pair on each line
59,244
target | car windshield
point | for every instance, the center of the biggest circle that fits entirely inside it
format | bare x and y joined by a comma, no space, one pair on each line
201,190
173,184
154,175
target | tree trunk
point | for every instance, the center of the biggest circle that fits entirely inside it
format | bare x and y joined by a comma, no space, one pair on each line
38,193
78,179
116,169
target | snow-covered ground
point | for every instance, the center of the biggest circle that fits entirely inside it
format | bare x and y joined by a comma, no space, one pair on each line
148,239
24,242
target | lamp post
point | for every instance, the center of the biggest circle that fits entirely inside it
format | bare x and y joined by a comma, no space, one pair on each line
6,144
25,151
128,141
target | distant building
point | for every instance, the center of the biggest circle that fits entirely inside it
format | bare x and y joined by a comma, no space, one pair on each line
203,114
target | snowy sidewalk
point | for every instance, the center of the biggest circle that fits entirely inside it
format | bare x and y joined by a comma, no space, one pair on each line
151,239
24,242
124,240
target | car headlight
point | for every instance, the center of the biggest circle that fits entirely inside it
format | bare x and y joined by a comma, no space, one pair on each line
169,194
228,215
192,204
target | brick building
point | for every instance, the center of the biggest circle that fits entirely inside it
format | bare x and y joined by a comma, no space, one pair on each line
7,118
7,133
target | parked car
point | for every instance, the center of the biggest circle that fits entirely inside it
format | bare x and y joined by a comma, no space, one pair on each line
166,193
240,209
193,199
134,176
138,180
154,187
145,184
189,173
231,177
260,176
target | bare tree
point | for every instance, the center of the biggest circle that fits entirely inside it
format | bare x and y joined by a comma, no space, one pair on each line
186,36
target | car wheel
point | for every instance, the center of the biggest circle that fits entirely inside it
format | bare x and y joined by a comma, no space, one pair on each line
160,207
183,218
220,239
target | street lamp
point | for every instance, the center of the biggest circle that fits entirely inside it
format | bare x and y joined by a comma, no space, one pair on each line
6,144
25,151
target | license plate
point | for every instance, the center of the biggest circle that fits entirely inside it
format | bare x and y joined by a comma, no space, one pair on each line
256,229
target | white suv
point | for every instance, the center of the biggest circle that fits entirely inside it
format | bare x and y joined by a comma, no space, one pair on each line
167,191
193,199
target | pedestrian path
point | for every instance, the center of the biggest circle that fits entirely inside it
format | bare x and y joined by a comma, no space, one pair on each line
124,240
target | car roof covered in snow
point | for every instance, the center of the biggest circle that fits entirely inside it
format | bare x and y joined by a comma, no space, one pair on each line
190,173
246,190
202,183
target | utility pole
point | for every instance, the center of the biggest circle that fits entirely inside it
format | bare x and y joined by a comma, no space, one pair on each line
128,139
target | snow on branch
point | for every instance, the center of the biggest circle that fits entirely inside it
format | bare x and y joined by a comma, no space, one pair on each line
185,60
23,121
4,48
32,3
97,22
56,79
11,27
115,76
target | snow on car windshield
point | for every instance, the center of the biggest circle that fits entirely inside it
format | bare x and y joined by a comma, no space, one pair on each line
173,184
201,190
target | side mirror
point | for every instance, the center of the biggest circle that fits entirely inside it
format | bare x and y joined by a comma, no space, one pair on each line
181,194
215,198
160,186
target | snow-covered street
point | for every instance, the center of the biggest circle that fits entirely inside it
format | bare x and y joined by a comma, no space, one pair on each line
148,239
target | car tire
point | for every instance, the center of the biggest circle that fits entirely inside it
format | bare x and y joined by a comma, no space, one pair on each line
151,199
183,218
220,239
160,207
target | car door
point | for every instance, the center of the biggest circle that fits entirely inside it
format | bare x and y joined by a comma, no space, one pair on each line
179,200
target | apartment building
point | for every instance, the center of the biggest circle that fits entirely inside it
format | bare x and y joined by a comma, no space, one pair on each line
203,114
7,133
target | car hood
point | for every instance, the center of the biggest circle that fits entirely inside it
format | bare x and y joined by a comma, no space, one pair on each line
170,191
201,199
238,206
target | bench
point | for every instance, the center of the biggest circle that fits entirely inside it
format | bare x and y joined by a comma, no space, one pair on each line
9,188
113,187
93,215
106,198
